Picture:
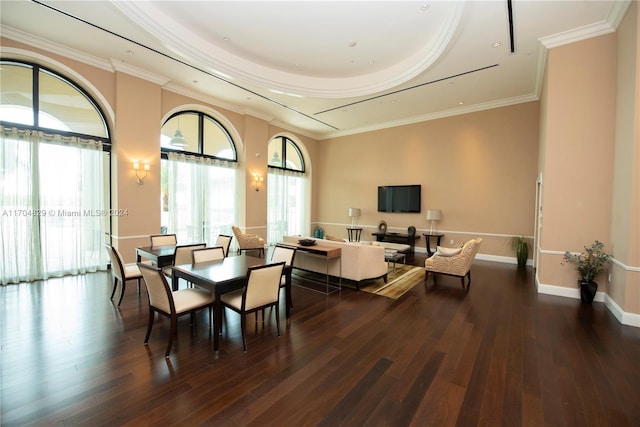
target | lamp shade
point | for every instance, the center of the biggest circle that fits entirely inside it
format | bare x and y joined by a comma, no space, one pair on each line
434,215
354,212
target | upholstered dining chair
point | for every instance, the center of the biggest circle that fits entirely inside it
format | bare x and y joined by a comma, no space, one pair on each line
286,254
121,271
248,242
453,261
181,255
224,241
213,253
172,304
261,291
163,240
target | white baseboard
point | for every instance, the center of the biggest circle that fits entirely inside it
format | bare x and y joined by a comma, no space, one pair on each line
630,319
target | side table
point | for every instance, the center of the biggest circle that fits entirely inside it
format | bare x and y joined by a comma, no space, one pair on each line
427,238
354,234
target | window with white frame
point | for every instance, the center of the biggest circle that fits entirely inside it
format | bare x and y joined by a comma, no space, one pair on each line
199,176
288,211
54,162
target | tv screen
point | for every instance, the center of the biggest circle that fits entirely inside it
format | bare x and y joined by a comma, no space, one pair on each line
399,198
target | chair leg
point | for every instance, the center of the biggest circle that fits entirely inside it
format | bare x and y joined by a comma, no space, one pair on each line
277,318
426,276
242,328
172,333
152,316
124,285
115,285
138,286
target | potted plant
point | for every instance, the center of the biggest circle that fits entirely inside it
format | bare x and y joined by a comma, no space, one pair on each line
589,264
520,245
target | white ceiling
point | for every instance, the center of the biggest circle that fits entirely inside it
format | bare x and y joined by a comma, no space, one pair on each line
321,68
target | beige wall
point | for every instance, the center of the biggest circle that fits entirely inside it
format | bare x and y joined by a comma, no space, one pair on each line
479,169
578,160
624,289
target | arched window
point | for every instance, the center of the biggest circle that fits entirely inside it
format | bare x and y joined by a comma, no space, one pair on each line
199,175
288,211
54,162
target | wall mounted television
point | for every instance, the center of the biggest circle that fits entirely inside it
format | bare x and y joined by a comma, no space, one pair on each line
399,198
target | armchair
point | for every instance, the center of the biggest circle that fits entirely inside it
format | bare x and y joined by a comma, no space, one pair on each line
453,264
248,242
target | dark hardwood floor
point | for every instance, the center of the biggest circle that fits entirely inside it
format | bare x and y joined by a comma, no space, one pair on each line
499,354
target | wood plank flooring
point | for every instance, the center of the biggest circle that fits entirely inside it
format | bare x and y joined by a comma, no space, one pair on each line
499,354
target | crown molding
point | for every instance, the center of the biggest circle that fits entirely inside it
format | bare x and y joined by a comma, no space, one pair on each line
54,48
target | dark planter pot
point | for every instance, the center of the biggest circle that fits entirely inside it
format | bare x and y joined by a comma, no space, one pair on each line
587,291
522,253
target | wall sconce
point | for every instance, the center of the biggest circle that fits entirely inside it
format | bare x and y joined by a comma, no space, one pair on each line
136,168
257,181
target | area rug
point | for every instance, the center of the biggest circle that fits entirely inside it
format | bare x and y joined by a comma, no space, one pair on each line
398,283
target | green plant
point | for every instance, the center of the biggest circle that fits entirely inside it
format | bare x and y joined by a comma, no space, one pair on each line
520,245
590,263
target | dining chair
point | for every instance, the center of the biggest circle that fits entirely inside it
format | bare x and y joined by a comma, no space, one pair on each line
262,290
121,272
163,240
224,241
287,254
181,255
213,253
172,304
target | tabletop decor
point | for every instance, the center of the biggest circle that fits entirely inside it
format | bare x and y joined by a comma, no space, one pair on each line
589,264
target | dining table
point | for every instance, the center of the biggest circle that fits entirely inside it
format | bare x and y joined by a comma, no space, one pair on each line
160,255
222,276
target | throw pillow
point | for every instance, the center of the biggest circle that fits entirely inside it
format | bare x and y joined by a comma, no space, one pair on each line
335,239
442,251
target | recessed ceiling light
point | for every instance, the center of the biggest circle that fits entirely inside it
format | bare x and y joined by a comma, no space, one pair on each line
451,83
372,62
497,44
352,44
424,7
225,38
461,103
130,52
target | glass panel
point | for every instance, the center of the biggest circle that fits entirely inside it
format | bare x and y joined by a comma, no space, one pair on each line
64,107
16,94
181,133
275,153
216,141
294,159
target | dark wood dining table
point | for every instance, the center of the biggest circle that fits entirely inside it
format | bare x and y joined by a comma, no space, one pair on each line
223,276
160,255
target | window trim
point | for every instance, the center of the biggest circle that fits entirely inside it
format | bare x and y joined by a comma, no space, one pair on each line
283,141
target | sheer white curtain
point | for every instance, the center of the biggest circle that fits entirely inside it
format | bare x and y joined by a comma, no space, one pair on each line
287,204
202,197
52,211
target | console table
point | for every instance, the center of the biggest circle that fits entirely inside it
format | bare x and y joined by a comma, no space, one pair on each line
398,238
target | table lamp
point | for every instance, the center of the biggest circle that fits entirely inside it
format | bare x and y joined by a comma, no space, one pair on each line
433,215
354,213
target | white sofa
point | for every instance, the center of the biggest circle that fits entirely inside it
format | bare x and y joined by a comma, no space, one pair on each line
359,261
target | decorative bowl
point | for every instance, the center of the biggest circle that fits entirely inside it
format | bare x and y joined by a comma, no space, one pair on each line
307,242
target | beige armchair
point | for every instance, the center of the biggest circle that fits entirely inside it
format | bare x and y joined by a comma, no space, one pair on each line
453,264
248,242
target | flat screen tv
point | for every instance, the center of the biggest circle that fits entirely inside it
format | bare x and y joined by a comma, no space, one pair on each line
399,198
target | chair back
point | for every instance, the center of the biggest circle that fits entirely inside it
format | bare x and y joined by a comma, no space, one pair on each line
214,253
117,267
163,240
469,251
182,254
263,285
224,241
283,253
160,295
